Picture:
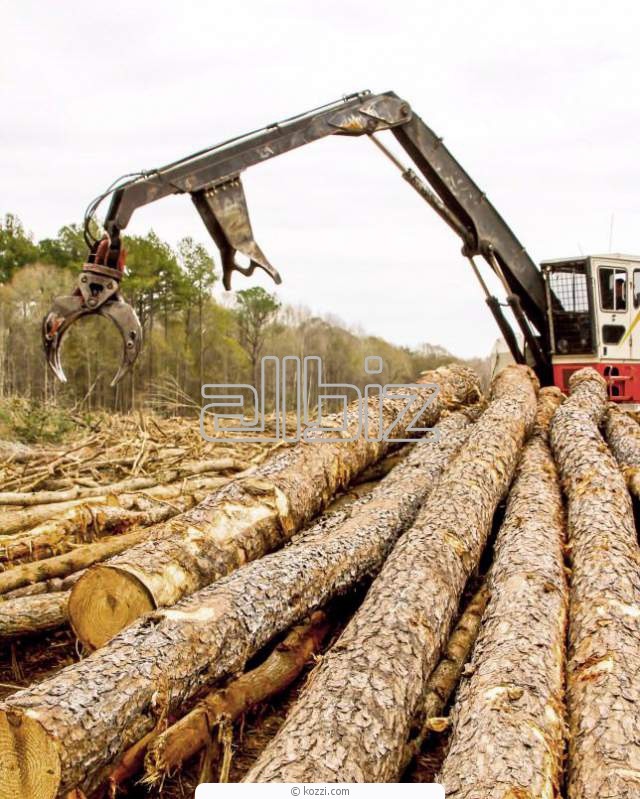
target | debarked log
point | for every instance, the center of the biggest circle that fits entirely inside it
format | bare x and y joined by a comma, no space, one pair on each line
69,727
16,519
508,728
250,517
603,682
353,721
130,484
81,524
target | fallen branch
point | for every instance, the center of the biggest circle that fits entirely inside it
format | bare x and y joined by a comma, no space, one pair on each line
81,524
52,586
132,484
446,675
186,737
13,521
83,556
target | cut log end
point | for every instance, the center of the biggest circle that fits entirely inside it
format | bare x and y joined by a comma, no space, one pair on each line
104,602
30,763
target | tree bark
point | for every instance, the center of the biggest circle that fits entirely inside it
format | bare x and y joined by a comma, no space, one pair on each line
244,520
193,731
508,725
33,614
623,436
446,675
354,719
83,718
603,682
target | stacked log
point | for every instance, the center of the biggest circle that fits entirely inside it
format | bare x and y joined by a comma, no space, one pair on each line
248,518
79,525
446,675
354,719
603,684
192,732
33,614
507,736
623,436
68,728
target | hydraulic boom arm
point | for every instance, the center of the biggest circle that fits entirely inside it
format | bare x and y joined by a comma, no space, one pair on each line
212,178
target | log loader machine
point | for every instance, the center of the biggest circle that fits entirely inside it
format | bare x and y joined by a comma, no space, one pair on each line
568,313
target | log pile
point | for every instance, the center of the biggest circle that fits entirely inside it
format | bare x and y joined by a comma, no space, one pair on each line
89,713
249,517
415,626
355,717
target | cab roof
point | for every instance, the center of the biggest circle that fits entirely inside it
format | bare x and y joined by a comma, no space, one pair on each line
612,256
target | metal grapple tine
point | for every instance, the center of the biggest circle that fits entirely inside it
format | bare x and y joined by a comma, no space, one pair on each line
224,210
63,313
126,320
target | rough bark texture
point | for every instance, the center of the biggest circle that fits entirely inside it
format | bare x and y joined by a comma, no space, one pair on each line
623,436
245,520
83,718
446,675
353,721
603,694
187,736
507,737
33,614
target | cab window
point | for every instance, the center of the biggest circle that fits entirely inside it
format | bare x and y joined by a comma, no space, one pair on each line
636,288
613,288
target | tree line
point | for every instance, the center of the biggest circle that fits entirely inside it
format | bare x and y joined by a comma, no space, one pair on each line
190,337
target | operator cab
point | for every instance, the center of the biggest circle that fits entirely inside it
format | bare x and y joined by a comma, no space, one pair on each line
593,312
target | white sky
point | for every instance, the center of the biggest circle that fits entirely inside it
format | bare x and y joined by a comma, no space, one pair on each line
540,102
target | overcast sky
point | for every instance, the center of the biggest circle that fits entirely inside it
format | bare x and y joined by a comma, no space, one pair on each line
540,102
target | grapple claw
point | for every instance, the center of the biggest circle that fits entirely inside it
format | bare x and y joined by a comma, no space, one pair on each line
223,208
63,313
97,293
126,320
